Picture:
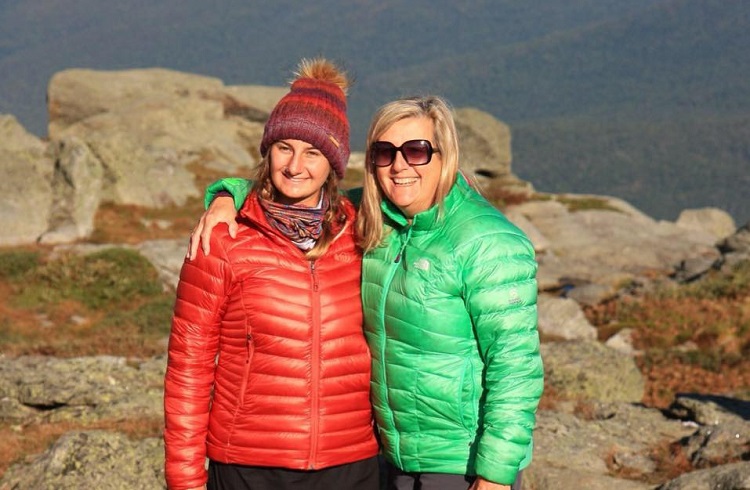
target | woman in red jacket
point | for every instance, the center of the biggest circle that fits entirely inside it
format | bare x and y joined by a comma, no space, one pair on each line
268,373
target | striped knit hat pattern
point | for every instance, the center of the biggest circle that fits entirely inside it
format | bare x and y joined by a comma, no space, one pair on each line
314,111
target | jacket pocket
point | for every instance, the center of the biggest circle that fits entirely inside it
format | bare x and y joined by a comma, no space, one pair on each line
468,402
250,349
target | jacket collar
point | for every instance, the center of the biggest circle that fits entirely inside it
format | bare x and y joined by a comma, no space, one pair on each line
430,218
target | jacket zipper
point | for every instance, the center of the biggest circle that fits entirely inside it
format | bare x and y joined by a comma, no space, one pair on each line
403,245
246,373
386,287
315,368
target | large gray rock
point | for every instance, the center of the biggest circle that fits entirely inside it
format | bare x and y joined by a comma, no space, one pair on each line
734,476
118,90
736,248
574,448
713,221
145,149
724,434
596,251
95,460
152,130
588,370
81,389
253,102
25,186
563,319
485,143
486,150
76,191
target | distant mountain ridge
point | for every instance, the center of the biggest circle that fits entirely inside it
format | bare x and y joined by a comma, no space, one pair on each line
641,99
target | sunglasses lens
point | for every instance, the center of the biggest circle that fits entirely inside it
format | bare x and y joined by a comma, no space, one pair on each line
417,152
383,153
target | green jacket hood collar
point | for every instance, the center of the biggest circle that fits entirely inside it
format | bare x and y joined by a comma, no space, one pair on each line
430,218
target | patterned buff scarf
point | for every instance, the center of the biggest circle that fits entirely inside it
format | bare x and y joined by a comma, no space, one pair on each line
302,225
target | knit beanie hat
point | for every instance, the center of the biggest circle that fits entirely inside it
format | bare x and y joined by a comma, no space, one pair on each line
314,111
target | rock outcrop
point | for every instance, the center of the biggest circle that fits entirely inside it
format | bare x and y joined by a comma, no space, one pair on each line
141,136
26,187
594,246
601,432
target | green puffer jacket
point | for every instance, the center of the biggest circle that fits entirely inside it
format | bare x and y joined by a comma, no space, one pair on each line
450,318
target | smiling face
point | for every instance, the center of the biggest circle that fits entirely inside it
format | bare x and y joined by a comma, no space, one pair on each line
411,189
298,171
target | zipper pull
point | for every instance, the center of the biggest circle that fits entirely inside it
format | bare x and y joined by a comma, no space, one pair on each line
314,277
403,246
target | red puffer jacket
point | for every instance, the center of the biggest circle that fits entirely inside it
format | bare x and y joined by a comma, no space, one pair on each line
268,364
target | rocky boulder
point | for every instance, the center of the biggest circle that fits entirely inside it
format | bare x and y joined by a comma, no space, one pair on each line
93,459
736,247
713,221
37,388
588,370
486,150
26,186
594,246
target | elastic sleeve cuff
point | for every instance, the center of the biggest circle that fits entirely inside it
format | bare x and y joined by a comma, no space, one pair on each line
234,186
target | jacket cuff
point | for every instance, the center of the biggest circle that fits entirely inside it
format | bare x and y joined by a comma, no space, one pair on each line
235,186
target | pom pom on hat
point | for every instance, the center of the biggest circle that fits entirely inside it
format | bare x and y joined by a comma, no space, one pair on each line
314,111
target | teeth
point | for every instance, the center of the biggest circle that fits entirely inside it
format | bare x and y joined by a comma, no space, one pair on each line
404,181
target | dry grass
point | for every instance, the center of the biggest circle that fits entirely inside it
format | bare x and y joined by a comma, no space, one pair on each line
695,338
110,302
502,196
135,224
586,204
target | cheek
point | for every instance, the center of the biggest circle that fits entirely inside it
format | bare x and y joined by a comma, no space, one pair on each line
276,163
380,176
324,170
433,178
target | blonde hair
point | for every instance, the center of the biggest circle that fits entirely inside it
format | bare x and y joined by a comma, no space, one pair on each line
334,218
370,217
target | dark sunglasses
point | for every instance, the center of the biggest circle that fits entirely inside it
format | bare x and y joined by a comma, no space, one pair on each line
415,152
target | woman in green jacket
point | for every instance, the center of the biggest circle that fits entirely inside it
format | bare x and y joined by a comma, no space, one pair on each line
449,301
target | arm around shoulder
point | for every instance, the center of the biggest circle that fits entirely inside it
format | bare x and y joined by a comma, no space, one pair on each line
238,187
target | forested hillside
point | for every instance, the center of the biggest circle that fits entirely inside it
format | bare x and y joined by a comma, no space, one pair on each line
647,100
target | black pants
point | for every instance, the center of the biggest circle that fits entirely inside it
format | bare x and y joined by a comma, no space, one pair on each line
401,480
362,475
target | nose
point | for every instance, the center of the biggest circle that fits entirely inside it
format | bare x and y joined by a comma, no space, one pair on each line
399,163
295,165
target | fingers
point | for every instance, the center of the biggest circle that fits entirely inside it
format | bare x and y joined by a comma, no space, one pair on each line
233,227
207,226
221,211
195,239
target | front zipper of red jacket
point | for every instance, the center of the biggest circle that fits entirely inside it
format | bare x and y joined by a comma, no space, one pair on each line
386,287
315,368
